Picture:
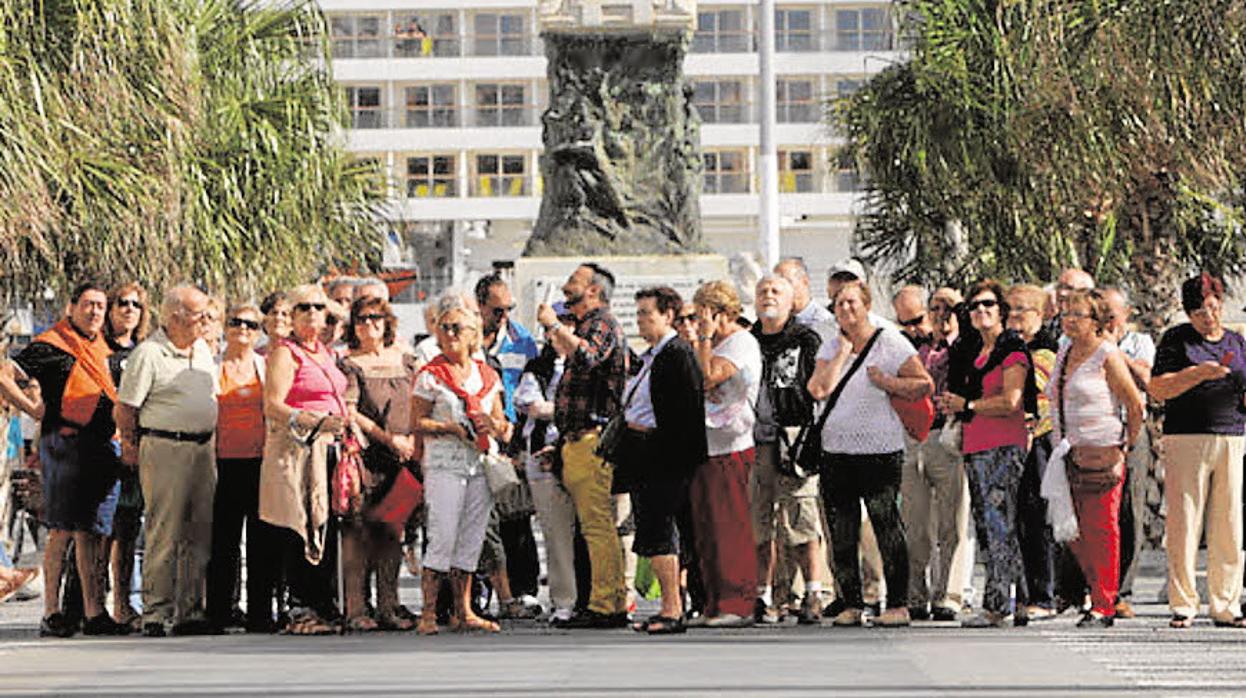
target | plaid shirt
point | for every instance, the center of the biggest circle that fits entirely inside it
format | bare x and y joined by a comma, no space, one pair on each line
592,382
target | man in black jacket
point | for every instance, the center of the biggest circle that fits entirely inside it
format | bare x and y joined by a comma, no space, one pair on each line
664,407
784,508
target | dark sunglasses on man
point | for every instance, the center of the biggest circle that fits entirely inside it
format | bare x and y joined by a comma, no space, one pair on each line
913,321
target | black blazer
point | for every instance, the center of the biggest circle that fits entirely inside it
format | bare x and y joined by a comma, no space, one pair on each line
677,389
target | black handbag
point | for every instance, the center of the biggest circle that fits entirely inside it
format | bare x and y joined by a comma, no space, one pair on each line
610,442
801,456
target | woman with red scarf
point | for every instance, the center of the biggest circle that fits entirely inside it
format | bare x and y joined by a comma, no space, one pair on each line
457,410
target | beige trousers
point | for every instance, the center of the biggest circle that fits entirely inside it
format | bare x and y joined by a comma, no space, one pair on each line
179,481
1203,485
934,504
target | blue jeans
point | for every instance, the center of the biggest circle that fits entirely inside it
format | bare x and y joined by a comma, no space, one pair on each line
994,482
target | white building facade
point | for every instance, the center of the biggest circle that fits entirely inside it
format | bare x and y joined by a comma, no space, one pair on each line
448,96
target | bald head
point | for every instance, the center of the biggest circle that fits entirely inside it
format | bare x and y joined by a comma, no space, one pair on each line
797,274
1119,310
909,304
184,313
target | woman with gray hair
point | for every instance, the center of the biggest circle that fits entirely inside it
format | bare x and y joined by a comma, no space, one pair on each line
457,410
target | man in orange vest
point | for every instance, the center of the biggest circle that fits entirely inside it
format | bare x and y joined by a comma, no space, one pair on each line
80,468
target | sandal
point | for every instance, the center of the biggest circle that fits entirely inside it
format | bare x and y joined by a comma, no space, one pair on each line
664,625
1236,622
20,578
393,621
1180,622
427,626
309,624
474,622
361,624
641,626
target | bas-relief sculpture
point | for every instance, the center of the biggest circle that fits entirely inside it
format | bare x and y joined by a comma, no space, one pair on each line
622,164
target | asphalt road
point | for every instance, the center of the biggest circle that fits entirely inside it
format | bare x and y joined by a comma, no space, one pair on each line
1052,658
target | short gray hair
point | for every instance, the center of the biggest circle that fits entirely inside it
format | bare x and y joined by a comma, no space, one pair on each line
798,263
773,278
175,300
923,296
602,279
372,282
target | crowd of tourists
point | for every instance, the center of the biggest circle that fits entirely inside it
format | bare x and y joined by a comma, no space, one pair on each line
814,463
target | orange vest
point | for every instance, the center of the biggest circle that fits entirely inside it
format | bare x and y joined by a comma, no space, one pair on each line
89,377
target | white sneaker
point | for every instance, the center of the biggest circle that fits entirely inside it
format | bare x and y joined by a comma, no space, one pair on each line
728,620
561,615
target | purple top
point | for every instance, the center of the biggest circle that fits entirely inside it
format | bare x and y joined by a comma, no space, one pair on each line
1211,407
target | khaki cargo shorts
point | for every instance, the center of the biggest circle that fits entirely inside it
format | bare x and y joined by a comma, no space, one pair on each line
784,509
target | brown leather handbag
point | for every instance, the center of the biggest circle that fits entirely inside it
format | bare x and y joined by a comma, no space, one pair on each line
1090,469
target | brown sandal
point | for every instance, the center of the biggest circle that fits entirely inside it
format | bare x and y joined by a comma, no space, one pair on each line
309,624
474,622
393,622
362,624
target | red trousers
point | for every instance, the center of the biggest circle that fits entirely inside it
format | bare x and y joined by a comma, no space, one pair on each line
1097,548
724,533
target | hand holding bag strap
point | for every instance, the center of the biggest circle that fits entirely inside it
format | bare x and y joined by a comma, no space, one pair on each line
843,382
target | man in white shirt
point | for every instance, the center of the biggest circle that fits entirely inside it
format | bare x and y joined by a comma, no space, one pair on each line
807,312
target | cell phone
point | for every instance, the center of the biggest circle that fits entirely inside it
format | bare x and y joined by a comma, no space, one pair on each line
1227,358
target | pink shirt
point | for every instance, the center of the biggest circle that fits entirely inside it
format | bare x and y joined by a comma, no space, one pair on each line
319,387
984,433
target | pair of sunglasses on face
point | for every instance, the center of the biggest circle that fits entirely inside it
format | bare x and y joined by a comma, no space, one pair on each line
242,322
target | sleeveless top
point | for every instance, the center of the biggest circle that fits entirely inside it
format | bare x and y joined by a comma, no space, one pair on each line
1092,414
240,418
319,387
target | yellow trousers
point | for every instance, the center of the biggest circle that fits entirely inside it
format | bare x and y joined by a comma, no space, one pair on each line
587,479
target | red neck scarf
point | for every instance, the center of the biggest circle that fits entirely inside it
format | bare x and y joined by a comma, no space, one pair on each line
441,369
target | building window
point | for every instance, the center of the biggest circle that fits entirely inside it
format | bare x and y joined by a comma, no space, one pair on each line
796,171
847,86
847,179
720,101
721,31
501,175
795,102
725,172
862,29
501,105
365,107
430,106
500,35
424,35
357,36
793,30
431,176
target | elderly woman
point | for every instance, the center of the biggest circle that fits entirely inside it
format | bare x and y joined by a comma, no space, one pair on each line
991,389
276,309
1090,386
1027,305
863,446
127,323
457,411
239,450
379,377
306,414
1200,371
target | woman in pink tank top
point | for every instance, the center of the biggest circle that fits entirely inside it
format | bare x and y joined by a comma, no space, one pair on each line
305,411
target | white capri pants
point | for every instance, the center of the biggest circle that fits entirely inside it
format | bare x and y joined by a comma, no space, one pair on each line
458,514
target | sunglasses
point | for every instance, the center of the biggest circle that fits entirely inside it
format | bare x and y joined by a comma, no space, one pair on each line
692,317
912,322
128,303
373,317
243,322
307,307
502,310
986,303
454,328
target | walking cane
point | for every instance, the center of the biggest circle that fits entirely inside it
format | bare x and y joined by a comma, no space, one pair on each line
341,588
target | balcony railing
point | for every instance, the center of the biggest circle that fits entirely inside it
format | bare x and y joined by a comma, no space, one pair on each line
796,41
448,116
437,46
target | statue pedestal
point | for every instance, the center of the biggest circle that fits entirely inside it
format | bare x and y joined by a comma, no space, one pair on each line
540,279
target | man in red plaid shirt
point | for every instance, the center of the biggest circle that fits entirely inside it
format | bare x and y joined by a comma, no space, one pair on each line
588,395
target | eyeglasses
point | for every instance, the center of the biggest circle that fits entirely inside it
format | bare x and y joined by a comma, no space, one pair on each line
1021,310
1076,314
196,316
913,321
499,311
691,317
129,303
243,322
985,303
454,328
308,307
373,317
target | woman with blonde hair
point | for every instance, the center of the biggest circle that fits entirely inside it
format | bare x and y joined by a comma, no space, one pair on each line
457,411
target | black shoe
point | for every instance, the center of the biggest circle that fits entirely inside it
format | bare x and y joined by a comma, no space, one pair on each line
103,624
873,609
57,625
592,620
919,612
153,630
196,627
1090,620
260,627
942,613
834,608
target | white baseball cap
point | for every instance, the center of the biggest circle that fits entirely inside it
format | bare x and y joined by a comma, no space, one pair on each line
848,265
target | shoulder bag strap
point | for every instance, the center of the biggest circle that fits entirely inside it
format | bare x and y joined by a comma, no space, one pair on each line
1064,369
843,382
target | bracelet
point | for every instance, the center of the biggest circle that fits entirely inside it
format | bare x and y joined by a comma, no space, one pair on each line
294,418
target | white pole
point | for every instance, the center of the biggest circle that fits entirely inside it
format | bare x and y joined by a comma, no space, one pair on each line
768,162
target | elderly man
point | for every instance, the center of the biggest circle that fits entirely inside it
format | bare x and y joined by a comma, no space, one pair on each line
166,414
589,394
70,363
784,509
805,311
909,304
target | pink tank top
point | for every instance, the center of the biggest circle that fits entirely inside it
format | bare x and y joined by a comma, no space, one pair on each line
319,387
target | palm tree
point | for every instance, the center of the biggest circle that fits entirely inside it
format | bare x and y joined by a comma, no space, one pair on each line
1102,133
175,140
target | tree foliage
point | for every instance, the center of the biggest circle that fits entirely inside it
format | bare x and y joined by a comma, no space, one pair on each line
1025,135
174,140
